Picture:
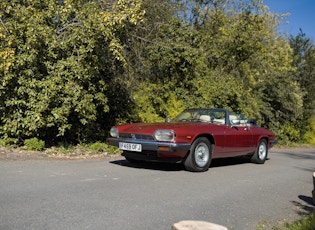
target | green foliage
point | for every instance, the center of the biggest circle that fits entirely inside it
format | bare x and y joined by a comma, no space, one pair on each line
99,147
156,102
87,65
55,75
304,62
8,142
34,144
231,60
66,148
288,134
102,147
309,136
223,91
306,223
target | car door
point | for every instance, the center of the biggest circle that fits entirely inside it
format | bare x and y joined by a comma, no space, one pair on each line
239,140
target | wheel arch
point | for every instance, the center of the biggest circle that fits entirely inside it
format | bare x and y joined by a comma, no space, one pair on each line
208,136
262,138
199,161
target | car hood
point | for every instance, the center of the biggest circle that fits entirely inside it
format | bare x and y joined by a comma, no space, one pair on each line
150,128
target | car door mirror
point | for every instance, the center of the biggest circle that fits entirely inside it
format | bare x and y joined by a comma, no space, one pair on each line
235,122
167,120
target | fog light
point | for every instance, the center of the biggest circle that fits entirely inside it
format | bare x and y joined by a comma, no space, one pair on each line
164,148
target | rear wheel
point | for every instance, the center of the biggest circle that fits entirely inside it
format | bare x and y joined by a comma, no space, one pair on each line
199,157
261,153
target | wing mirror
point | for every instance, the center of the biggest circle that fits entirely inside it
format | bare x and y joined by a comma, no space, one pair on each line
167,120
235,122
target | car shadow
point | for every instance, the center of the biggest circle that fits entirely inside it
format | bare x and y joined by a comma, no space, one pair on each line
222,162
159,166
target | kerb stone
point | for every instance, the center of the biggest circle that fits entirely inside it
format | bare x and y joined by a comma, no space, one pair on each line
196,225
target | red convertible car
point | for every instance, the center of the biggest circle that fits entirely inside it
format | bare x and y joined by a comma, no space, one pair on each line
194,138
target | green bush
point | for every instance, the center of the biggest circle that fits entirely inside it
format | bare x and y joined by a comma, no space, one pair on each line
34,144
7,142
99,147
309,136
155,102
307,223
102,147
288,134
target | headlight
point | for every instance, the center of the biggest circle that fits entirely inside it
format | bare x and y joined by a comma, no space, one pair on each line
164,135
114,132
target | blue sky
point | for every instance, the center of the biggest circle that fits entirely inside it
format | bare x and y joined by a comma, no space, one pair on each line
302,15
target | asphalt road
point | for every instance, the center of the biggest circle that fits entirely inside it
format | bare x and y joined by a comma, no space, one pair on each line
113,194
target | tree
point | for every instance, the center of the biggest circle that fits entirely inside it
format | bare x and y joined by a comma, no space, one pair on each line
58,77
228,55
90,64
304,62
249,58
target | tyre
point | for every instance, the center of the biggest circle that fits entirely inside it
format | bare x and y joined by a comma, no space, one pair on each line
199,157
261,153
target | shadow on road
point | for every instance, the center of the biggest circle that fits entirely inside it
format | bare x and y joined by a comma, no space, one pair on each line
224,162
221,162
299,154
150,165
308,154
305,206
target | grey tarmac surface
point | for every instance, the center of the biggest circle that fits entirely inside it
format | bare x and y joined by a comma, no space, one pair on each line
110,193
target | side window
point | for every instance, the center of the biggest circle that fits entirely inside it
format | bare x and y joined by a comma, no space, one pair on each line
237,119
218,117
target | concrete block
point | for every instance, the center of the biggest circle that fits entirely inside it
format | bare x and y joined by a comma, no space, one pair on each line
196,225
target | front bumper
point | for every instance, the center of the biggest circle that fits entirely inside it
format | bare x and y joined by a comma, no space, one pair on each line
272,143
154,149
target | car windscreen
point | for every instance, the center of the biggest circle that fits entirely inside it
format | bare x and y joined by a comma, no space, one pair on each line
201,115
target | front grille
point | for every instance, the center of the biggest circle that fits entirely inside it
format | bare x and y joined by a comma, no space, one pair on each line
144,137
136,136
125,135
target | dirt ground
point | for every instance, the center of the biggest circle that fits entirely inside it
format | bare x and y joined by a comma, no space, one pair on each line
20,154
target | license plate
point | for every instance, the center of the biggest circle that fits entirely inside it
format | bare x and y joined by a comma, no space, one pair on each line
130,147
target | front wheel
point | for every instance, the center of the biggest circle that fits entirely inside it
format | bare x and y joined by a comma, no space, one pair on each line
199,157
261,153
